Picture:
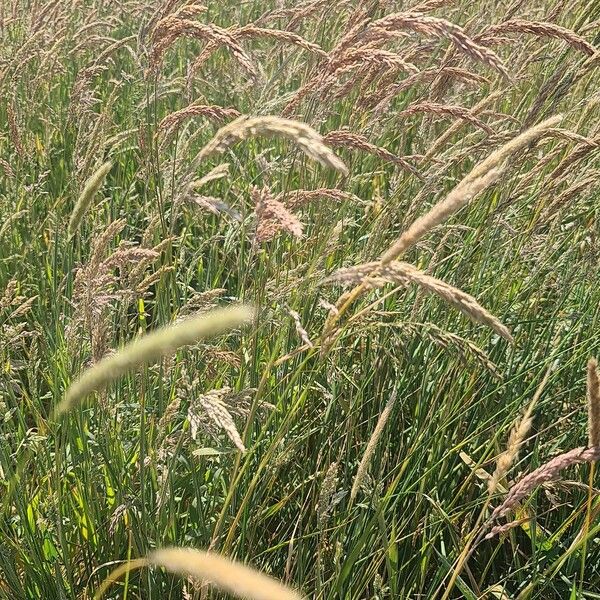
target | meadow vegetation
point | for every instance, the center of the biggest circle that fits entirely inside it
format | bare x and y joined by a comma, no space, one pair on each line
299,299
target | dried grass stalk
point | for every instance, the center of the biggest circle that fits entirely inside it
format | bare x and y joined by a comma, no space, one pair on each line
551,470
211,111
460,196
153,347
218,172
451,110
345,139
440,28
244,127
365,461
212,405
479,179
272,217
507,458
517,435
302,333
593,398
374,274
543,29
92,185
229,576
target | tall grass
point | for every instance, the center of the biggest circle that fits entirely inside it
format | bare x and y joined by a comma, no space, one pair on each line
160,161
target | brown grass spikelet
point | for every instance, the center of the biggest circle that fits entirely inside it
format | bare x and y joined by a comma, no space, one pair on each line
15,131
451,110
375,57
252,31
365,63
294,199
328,489
543,29
429,5
505,527
572,136
304,136
169,414
201,302
211,111
593,399
582,186
577,154
382,96
302,333
477,109
10,220
435,27
343,138
507,458
272,216
547,472
169,29
189,10
217,172
298,12
374,275
102,56
8,170
517,435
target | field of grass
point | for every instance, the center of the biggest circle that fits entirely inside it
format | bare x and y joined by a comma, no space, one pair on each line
404,198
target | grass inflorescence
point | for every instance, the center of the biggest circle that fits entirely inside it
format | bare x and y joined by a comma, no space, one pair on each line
406,195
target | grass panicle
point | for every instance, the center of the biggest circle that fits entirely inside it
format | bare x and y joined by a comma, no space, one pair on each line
304,136
91,188
151,348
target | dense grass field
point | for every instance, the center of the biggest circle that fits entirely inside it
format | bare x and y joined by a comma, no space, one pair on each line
404,198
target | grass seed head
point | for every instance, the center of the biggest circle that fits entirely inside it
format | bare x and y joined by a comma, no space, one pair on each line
304,136
91,188
593,398
230,576
152,347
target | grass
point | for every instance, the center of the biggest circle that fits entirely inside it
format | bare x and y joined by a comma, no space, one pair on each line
116,479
